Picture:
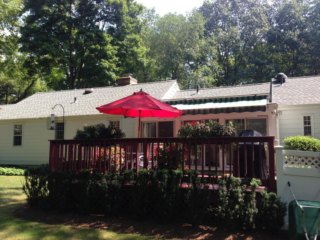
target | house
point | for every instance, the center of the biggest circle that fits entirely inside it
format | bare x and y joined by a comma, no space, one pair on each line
278,108
25,127
298,112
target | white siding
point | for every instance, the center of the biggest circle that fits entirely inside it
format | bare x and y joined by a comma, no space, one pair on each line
290,120
35,137
35,145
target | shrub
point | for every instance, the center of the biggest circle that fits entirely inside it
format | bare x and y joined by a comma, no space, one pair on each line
171,156
271,212
36,184
302,143
11,171
197,199
210,129
98,131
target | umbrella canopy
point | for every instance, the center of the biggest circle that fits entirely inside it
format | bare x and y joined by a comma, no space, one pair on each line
140,104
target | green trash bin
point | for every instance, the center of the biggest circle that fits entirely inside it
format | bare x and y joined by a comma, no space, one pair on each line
310,223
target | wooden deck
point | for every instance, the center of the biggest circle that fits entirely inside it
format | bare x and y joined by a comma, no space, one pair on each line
253,157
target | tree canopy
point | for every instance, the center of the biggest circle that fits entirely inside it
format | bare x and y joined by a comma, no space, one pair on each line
67,44
80,41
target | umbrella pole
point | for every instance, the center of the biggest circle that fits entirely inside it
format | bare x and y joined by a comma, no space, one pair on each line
139,122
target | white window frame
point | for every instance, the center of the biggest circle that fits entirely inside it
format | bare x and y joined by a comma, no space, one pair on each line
311,122
13,143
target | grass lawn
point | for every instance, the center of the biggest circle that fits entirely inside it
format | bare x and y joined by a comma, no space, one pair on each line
12,198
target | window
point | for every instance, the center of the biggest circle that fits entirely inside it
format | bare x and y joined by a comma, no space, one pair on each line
238,124
115,123
149,130
157,129
165,129
17,135
192,123
257,124
307,127
60,130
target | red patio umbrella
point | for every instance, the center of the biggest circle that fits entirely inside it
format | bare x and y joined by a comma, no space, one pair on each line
140,104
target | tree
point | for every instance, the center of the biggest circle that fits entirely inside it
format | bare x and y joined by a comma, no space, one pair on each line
78,39
174,44
15,82
285,37
310,36
238,28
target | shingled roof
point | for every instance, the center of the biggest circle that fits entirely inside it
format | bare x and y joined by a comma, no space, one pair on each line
297,91
40,104
220,92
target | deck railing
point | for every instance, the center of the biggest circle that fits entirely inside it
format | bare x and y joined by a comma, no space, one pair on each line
216,156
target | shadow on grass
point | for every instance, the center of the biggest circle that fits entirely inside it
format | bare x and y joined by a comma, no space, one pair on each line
149,229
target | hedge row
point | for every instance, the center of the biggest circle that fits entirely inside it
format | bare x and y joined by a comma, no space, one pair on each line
156,195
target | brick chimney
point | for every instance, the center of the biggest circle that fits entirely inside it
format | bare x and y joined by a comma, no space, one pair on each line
126,80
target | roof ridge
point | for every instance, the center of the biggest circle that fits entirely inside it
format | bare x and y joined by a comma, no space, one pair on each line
243,85
143,83
313,76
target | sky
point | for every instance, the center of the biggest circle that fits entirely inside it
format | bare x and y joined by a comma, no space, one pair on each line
163,7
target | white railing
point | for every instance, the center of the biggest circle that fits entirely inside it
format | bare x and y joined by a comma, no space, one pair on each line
302,170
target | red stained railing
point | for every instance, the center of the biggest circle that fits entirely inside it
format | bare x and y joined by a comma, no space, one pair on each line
218,156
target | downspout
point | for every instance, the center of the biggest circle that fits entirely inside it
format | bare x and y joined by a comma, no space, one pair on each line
270,97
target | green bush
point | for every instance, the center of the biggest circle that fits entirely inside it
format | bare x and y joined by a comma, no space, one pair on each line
233,211
155,195
98,131
197,199
210,129
271,212
11,171
36,184
302,143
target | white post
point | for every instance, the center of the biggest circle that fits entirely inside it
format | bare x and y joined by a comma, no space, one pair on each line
281,181
279,168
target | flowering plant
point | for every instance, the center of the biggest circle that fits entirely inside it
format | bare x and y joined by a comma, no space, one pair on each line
209,129
97,131
171,156
114,154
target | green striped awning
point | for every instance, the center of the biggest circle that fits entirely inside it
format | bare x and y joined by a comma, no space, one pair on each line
222,105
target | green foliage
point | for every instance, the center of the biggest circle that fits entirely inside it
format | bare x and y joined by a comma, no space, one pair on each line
210,129
197,199
98,131
11,171
171,156
302,143
157,195
236,208
36,185
81,41
271,212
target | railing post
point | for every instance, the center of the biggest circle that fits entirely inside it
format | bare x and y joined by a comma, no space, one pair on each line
52,156
281,185
271,153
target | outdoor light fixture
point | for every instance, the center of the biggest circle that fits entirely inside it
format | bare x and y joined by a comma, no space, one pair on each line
52,122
